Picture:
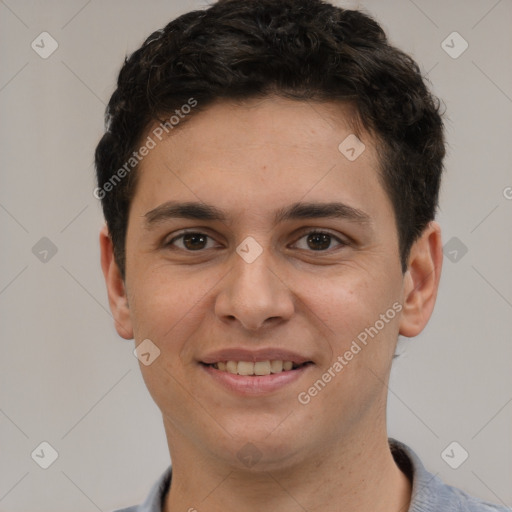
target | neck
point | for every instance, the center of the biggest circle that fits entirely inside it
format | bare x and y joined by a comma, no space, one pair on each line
359,474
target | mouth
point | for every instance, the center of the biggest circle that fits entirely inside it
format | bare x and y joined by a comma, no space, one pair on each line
256,378
258,368
255,372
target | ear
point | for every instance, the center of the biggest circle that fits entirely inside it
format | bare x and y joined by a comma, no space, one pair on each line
117,297
421,281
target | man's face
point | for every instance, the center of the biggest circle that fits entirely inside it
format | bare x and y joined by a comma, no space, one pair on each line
283,294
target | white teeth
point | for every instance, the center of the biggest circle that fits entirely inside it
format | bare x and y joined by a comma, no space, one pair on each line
261,368
232,367
245,368
250,368
276,366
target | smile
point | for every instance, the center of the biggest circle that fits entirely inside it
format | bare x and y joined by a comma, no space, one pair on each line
247,378
258,368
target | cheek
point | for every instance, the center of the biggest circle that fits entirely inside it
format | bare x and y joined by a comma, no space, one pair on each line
169,307
348,302
347,308
168,303
361,343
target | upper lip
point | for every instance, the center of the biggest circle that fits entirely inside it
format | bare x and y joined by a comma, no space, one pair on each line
240,354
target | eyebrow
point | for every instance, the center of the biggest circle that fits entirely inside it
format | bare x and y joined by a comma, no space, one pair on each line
203,211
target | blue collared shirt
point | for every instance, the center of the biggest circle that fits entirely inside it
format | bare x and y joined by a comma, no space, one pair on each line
429,493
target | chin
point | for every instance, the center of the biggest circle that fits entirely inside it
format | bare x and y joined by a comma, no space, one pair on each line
257,450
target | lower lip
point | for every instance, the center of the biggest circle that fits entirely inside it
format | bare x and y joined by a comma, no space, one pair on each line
257,385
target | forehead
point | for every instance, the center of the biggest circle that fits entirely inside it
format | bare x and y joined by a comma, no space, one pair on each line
273,121
258,153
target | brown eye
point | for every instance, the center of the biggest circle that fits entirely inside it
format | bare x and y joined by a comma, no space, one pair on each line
194,241
319,241
190,241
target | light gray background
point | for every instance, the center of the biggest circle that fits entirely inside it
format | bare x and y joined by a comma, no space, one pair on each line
68,379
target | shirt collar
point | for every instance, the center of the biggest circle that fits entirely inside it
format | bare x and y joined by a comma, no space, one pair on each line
429,493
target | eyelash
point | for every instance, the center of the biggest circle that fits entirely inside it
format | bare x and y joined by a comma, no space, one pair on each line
342,243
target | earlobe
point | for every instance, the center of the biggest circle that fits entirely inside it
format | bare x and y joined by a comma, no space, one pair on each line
421,281
117,297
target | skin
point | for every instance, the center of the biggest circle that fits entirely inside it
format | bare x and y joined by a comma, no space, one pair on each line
250,159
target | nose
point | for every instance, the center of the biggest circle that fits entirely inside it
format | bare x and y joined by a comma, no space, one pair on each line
254,295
